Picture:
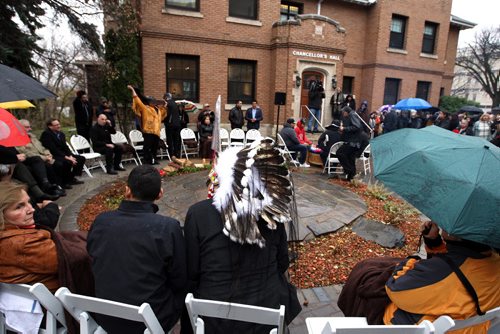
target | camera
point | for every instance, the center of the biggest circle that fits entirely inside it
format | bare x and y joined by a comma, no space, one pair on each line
316,86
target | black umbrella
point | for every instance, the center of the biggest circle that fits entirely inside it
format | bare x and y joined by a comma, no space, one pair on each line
471,110
15,86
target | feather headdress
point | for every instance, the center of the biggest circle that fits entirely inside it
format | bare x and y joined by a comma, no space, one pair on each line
254,183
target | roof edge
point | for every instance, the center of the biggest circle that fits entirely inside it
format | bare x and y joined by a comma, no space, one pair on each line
461,23
362,2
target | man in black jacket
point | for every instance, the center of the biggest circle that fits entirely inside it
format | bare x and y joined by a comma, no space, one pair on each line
139,256
83,114
355,141
316,95
328,138
66,164
236,117
172,126
101,141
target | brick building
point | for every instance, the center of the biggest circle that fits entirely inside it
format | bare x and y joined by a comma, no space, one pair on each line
378,50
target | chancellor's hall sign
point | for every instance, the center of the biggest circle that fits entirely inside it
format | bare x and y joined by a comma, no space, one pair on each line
312,54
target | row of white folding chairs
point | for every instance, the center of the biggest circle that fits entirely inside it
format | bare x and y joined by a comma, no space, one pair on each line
119,138
137,142
238,137
80,308
442,325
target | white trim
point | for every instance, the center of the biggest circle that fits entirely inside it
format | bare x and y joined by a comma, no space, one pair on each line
182,12
400,51
428,55
238,20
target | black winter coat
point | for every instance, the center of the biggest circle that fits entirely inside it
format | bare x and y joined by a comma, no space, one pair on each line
138,256
220,269
101,135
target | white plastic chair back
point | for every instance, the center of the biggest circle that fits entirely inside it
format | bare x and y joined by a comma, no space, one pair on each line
445,323
332,165
237,137
136,137
92,159
365,158
119,138
188,134
233,311
224,138
285,151
80,307
252,135
357,325
39,292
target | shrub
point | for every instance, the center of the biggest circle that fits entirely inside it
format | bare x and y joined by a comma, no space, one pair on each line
378,191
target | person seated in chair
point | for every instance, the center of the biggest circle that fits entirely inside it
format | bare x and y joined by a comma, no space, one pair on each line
139,256
425,289
66,164
100,135
292,142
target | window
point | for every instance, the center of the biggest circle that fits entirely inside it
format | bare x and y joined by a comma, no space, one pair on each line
441,91
241,81
184,4
290,10
423,89
429,41
347,85
391,90
183,76
398,28
245,9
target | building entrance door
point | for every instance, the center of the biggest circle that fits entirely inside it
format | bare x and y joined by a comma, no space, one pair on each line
307,78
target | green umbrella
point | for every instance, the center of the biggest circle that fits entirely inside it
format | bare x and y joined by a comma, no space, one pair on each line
452,179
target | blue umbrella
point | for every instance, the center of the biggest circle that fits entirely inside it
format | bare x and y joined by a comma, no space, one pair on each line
452,179
412,103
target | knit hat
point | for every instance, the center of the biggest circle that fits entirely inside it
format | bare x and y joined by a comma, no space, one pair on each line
290,121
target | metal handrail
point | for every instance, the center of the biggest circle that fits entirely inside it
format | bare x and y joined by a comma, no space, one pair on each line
317,120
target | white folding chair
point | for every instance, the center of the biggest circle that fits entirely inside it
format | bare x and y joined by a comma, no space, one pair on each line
188,135
354,325
80,307
93,159
224,138
136,140
286,152
444,323
332,165
39,292
119,138
237,137
252,135
233,311
365,158
163,137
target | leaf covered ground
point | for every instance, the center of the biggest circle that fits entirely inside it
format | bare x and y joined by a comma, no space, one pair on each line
325,260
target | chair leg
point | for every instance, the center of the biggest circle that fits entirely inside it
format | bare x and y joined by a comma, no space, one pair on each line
87,170
102,166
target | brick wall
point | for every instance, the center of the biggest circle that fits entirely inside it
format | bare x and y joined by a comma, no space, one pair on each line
360,37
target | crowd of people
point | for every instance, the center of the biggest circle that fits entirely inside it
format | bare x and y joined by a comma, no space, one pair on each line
232,248
136,255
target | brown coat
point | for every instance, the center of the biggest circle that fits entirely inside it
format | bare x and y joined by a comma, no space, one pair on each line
28,256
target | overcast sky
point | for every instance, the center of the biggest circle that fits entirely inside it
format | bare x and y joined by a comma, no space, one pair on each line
485,13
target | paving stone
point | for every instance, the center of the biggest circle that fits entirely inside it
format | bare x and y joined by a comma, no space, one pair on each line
323,205
310,296
322,295
383,234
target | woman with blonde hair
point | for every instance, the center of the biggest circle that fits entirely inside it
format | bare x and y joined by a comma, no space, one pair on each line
32,253
28,254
